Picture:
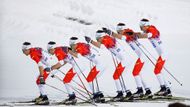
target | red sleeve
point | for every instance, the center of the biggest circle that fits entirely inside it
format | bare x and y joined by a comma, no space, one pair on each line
60,54
155,33
36,56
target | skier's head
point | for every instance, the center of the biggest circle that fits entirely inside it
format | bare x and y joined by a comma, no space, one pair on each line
51,47
26,48
99,34
120,27
144,23
73,41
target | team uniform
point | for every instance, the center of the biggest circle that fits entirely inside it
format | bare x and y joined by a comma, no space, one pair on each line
41,57
139,65
117,51
154,38
86,51
63,56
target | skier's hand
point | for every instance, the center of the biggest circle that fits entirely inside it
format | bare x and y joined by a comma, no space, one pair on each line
48,69
106,30
88,39
52,76
42,81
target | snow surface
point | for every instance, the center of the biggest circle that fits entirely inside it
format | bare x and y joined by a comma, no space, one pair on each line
39,21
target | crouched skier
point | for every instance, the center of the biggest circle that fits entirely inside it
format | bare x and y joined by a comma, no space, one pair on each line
63,55
41,57
85,50
153,35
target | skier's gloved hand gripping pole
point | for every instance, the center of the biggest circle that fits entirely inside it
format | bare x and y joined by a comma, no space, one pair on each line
155,64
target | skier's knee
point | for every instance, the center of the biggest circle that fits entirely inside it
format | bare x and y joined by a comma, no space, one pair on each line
92,75
69,76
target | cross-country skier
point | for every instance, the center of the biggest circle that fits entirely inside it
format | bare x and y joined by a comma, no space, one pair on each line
64,56
128,35
111,44
153,35
41,57
85,50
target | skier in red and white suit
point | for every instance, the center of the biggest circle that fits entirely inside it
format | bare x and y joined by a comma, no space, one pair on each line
85,50
128,36
64,56
153,35
41,57
115,49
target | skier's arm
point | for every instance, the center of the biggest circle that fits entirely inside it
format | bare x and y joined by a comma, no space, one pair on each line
141,35
89,40
73,53
41,70
57,66
119,36
97,44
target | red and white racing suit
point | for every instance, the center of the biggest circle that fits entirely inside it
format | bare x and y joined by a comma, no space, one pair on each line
41,57
154,38
86,51
140,62
111,44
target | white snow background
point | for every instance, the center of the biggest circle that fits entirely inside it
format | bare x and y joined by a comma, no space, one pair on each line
39,21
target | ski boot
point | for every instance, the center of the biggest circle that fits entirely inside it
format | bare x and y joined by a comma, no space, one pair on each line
119,96
129,95
98,97
43,100
71,100
162,91
37,99
168,93
148,93
139,93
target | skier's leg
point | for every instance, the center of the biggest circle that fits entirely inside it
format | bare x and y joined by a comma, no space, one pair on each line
91,77
67,81
43,99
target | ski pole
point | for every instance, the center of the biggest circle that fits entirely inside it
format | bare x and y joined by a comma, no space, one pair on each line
67,93
80,78
117,72
74,81
73,88
91,65
122,77
92,81
164,67
62,91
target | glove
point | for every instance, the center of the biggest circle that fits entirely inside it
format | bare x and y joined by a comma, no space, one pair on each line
106,30
42,81
48,69
52,76
88,39
129,33
70,48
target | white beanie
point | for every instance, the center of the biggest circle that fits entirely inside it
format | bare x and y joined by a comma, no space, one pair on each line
99,33
73,40
51,45
120,26
26,45
144,22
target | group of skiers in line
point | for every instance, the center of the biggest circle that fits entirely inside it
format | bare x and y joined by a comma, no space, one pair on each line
104,38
